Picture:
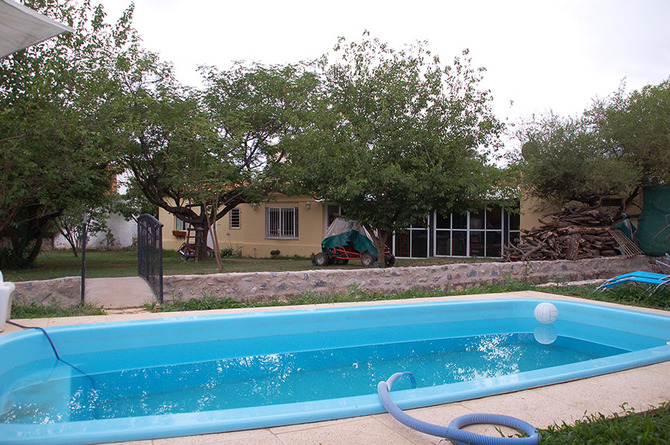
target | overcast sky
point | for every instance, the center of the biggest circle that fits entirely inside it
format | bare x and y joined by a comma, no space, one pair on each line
539,54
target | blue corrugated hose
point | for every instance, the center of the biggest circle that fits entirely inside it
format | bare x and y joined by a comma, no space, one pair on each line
453,432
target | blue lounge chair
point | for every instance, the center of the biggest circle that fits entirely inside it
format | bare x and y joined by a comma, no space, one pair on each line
652,279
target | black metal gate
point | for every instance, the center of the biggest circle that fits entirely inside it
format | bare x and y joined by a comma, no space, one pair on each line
150,253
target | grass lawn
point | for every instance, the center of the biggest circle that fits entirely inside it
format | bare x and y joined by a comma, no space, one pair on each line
101,264
650,427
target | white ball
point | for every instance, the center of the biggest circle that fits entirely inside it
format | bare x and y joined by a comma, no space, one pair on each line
546,313
545,334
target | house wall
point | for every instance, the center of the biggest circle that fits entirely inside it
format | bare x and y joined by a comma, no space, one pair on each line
170,241
122,233
532,209
250,238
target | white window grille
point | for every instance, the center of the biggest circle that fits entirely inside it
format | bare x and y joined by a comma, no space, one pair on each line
179,224
281,222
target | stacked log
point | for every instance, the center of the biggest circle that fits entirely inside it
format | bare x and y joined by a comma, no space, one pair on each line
571,233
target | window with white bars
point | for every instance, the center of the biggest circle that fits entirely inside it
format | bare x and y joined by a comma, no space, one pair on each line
281,222
234,221
179,224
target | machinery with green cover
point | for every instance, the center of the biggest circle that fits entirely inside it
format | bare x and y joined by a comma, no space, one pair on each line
346,240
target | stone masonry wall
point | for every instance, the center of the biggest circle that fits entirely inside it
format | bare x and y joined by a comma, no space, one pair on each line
265,286
272,285
65,291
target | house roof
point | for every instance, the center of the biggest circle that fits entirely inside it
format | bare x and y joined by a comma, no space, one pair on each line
21,27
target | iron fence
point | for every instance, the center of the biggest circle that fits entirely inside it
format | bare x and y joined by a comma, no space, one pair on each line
150,253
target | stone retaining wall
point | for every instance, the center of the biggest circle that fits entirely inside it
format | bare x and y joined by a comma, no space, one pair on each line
264,286
273,285
65,291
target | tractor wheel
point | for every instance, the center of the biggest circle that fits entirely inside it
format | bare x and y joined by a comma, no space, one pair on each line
321,259
367,260
390,260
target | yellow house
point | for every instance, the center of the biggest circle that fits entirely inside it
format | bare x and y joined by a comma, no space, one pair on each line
295,225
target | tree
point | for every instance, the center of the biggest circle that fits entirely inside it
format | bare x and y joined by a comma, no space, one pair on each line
53,132
70,223
637,127
565,160
618,146
131,202
199,155
395,136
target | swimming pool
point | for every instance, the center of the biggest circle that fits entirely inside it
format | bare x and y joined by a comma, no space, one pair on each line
169,377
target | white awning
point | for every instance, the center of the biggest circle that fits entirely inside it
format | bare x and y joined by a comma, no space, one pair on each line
21,27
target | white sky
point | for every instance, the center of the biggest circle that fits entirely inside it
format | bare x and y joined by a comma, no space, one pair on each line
539,54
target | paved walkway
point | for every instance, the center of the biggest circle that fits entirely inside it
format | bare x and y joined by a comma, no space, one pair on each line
118,293
638,389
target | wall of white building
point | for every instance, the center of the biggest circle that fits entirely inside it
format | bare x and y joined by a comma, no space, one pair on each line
123,234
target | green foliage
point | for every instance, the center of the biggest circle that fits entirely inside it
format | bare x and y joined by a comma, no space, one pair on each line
22,310
566,160
620,144
354,293
637,126
200,154
628,294
205,303
71,222
55,131
650,427
231,252
132,203
394,135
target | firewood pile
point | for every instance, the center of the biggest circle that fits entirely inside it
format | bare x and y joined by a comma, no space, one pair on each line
571,233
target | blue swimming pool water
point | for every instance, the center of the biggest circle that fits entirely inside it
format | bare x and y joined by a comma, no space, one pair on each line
283,378
190,375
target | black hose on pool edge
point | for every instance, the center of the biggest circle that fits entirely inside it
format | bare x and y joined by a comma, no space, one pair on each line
453,432
53,347
45,334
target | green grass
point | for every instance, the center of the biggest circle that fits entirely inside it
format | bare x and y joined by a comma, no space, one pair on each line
61,263
354,294
629,294
650,427
102,264
34,310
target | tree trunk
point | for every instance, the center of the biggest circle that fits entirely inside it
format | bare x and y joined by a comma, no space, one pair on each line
69,237
380,244
202,241
217,250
